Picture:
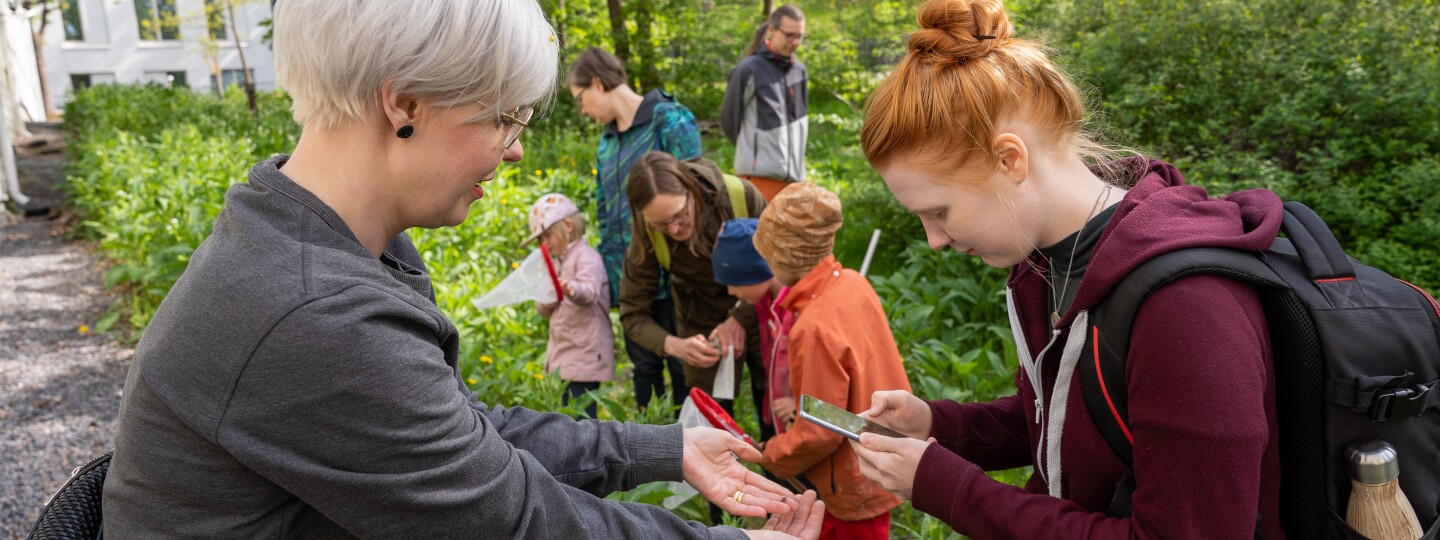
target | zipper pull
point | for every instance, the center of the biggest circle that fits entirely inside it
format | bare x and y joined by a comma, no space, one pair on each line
1037,411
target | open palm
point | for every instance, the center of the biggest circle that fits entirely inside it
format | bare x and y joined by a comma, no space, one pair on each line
712,468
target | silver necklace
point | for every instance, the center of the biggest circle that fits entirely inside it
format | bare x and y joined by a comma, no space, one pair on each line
1065,286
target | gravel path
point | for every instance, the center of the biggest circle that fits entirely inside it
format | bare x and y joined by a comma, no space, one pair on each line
59,386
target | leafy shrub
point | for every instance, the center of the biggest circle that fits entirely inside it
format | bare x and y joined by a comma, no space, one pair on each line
148,171
1327,102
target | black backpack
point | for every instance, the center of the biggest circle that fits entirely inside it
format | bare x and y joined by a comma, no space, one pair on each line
1356,356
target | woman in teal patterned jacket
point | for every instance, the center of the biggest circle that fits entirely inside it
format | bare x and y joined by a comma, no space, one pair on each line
634,125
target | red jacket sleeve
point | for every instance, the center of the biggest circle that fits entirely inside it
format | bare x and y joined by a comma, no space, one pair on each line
1198,383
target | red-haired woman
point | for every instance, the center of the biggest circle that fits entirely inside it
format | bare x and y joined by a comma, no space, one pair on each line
980,135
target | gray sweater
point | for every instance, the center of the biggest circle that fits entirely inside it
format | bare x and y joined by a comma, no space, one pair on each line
293,385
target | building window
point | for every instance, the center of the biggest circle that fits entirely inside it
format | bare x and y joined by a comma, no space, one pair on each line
230,77
86,80
170,79
70,16
157,20
215,16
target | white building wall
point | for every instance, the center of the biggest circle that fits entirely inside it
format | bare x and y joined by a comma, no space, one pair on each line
113,51
20,91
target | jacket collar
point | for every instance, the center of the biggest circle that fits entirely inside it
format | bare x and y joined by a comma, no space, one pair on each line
773,304
714,203
645,113
812,285
783,62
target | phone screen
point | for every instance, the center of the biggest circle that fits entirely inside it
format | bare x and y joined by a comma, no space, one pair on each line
840,420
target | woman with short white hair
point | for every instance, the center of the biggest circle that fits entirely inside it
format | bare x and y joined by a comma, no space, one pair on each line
299,381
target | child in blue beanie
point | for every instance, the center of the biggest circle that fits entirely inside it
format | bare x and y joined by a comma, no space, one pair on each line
741,269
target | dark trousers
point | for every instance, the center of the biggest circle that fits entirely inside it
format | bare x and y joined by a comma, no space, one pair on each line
576,389
650,368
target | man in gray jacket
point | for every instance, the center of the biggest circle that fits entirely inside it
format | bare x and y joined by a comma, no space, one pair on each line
767,103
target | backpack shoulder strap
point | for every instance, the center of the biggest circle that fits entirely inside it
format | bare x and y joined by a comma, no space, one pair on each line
736,190
662,249
1102,375
1102,370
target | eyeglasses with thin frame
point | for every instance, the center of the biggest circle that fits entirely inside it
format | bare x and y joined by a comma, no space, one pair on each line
580,98
794,36
676,219
515,122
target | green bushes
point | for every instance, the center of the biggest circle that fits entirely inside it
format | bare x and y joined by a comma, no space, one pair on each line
1331,103
149,167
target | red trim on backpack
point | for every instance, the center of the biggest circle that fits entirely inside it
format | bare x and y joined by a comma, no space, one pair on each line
1101,376
1433,304
1333,280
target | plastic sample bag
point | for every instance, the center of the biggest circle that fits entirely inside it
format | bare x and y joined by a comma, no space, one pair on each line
530,281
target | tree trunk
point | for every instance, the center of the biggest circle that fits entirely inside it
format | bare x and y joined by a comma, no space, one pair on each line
38,38
244,68
617,31
646,76
767,8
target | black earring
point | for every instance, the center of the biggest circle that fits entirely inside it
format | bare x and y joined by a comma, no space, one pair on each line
405,131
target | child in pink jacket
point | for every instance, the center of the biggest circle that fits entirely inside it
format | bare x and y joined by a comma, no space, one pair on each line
582,344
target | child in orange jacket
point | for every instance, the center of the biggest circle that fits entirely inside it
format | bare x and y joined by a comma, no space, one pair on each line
841,352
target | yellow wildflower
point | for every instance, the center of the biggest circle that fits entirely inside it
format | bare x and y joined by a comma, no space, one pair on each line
503,200
471,380
487,360
540,376
594,170
84,329
538,172
514,265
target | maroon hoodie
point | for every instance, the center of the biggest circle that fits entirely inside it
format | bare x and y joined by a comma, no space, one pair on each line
1200,384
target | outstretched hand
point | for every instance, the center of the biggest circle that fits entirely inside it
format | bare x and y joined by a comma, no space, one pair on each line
804,523
712,468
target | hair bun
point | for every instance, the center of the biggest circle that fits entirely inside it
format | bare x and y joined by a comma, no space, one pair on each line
960,30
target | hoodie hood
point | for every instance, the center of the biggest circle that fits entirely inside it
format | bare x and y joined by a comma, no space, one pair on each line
1162,214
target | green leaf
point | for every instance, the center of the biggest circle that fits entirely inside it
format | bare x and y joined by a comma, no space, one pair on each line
106,322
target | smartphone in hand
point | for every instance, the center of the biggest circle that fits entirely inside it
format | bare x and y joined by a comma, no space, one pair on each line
840,420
